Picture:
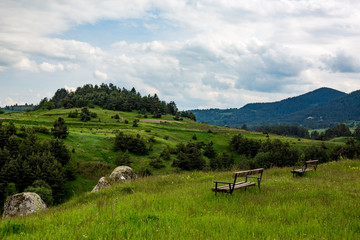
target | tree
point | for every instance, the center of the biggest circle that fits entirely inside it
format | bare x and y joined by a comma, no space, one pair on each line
43,190
357,133
209,150
123,158
85,114
189,157
60,130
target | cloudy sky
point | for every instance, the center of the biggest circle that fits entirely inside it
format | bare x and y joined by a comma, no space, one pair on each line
200,54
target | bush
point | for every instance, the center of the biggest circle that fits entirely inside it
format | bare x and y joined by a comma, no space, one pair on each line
73,114
242,145
157,163
132,144
60,129
221,162
123,159
43,190
189,157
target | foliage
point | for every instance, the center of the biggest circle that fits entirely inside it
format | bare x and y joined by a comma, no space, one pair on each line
166,154
43,190
276,153
222,162
60,129
108,97
132,144
209,150
189,157
73,114
17,108
339,130
23,160
293,131
157,163
123,159
357,133
242,145
324,106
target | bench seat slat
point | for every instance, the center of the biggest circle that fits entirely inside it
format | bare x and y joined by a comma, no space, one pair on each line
301,170
238,185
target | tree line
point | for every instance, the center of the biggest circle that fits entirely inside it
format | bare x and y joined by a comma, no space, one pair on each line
30,164
108,97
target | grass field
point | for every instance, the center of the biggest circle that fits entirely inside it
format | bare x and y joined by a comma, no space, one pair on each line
92,142
321,205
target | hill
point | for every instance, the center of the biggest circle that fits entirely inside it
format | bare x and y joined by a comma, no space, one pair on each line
339,110
257,114
322,205
17,108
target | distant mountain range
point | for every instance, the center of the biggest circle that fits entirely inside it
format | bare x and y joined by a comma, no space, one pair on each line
321,108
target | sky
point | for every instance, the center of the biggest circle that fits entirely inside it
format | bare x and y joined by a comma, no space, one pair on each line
200,54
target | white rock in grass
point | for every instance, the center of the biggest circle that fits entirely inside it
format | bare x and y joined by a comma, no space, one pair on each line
22,204
122,174
103,183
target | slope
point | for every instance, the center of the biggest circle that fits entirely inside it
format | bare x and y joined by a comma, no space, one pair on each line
343,109
256,114
322,205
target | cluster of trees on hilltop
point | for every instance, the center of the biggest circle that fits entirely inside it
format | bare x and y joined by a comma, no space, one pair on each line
17,108
108,97
293,131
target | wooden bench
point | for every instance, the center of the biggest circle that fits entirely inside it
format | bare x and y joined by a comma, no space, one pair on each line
229,187
305,168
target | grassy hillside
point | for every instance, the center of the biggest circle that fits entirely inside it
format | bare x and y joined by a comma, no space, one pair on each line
92,142
321,205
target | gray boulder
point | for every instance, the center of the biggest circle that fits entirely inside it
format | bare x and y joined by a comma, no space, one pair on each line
122,174
103,183
22,204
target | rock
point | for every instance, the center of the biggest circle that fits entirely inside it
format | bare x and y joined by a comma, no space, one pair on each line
22,204
103,183
122,174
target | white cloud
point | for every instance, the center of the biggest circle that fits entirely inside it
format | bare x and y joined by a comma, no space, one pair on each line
47,67
26,64
70,89
100,75
218,53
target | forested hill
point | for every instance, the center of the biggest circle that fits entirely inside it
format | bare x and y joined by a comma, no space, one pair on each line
340,110
257,114
108,97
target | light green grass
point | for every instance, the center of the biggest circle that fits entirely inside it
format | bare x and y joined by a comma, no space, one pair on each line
321,205
93,141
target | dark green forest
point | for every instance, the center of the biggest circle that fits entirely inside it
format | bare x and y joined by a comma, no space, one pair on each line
322,108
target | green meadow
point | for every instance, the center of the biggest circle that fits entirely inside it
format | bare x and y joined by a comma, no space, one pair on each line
176,204
321,205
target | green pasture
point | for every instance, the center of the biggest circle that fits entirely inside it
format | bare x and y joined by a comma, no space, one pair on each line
321,205
91,143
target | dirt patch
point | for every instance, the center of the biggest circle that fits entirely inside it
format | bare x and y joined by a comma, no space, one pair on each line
4,118
158,121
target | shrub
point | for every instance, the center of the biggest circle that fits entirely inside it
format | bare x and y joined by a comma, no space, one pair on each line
123,159
189,157
157,163
132,144
43,190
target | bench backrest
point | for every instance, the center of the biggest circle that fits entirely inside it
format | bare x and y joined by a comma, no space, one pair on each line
248,172
311,163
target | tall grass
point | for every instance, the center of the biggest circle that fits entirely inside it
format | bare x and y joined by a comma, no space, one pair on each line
321,205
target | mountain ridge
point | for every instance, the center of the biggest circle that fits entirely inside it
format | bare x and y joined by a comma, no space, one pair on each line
290,111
